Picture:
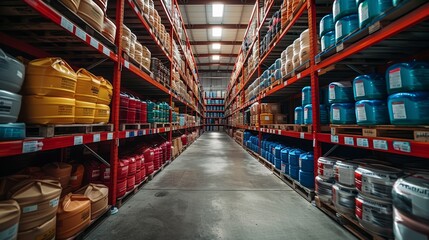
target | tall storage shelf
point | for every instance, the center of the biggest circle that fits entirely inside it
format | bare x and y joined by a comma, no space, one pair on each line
40,29
394,36
214,119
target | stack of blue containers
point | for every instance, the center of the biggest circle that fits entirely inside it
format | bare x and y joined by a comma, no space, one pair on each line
408,89
343,106
370,93
284,156
370,9
345,16
327,32
306,172
294,163
303,114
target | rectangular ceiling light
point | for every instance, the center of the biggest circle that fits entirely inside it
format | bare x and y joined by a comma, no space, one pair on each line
216,46
216,57
217,10
217,32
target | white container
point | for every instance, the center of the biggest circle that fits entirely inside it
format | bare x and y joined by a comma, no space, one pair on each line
375,215
343,198
376,180
323,189
325,167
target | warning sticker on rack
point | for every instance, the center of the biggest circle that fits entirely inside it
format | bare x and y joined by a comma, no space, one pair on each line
399,111
395,80
402,146
362,142
380,144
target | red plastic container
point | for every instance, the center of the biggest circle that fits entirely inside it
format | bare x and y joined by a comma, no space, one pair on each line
138,162
143,171
143,116
131,182
157,158
123,108
184,139
122,169
148,155
121,187
164,152
92,171
138,111
149,168
138,177
169,150
131,166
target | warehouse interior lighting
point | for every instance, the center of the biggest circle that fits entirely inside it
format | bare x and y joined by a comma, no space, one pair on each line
217,32
217,10
216,57
216,46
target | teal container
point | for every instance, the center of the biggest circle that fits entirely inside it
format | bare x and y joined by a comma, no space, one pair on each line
409,108
308,114
278,63
343,113
150,106
358,2
327,40
345,26
12,131
299,115
278,74
306,95
265,74
370,9
326,24
271,69
408,77
342,8
371,112
340,92
367,87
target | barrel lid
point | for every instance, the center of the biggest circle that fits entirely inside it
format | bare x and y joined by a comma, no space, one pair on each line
323,181
329,160
379,168
35,190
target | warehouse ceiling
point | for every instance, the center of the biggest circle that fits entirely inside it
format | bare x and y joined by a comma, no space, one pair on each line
216,55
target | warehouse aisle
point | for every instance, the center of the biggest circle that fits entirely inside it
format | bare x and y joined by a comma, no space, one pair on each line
216,190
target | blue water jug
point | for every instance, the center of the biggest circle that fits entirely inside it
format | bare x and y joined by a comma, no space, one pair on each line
326,24
299,115
370,9
366,87
327,40
294,172
340,92
306,179
342,8
306,162
371,112
345,26
343,113
408,77
409,108
306,95
294,156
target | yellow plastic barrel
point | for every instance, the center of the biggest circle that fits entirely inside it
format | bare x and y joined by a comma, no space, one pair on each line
98,194
50,77
105,93
88,86
59,170
47,110
74,214
102,113
85,112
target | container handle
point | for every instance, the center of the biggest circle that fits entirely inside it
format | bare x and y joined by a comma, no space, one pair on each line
64,63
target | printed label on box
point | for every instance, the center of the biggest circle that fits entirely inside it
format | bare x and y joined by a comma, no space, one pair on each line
362,142
360,89
332,92
336,114
399,111
361,113
395,80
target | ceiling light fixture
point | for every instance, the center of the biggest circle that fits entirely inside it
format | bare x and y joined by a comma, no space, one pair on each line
217,10
216,46
217,32
216,57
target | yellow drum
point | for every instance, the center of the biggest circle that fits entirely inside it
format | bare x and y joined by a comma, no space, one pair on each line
59,170
47,110
74,215
71,4
85,112
50,77
106,92
102,113
98,194
88,86
46,231
9,219
91,13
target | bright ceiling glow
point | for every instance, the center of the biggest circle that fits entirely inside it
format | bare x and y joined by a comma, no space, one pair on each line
216,57
216,46
217,10
217,32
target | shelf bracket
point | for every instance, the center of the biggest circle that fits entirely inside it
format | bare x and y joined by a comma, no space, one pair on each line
330,150
101,159
355,69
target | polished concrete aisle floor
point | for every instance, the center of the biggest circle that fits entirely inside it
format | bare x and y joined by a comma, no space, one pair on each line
216,190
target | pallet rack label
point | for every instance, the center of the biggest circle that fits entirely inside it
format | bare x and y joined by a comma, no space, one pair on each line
335,139
362,142
301,135
402,146
93,42
349,141
78,140
66,24
109,136
380,144
106,51
126,64
81,34
127,134
30,146
96,137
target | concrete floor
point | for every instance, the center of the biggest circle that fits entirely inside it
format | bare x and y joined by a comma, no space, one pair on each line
216,190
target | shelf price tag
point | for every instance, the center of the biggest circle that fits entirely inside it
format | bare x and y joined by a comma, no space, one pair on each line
81,34
340,47
127,134
109,136
93,42
349,141
279,132
135,133
285,83
402,146
380,144
362,142
106,51
31,146
78,140
126,64
96,137
335,139
65,23
301,135
144,132
298,76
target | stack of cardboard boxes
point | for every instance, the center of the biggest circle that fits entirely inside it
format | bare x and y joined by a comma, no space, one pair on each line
269,113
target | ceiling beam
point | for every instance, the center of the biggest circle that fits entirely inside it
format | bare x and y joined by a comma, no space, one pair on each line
215,64
211,54
224,26
226,2
210,42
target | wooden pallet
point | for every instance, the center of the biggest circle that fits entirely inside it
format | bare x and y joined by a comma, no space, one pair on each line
160,125
65,129
416,133
350,223
306,193
120,201
133,126
296,127
152,175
